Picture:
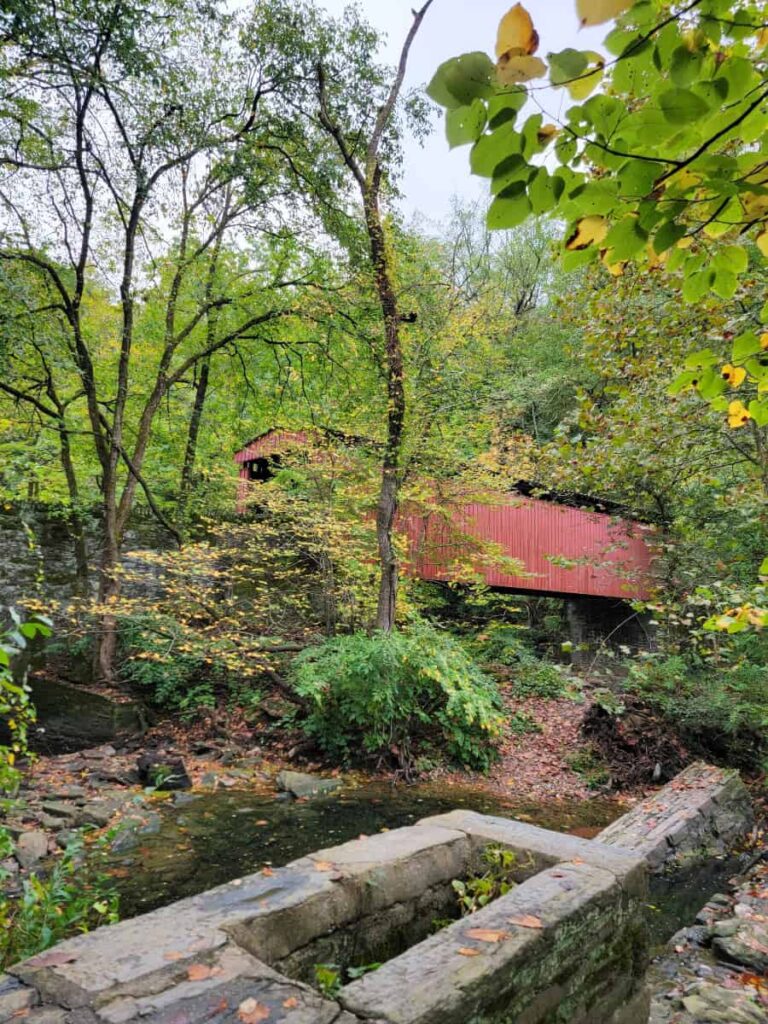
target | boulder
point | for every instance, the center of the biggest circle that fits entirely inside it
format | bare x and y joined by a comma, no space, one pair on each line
15,998
300,784
746,945
31,847
163,771
70,718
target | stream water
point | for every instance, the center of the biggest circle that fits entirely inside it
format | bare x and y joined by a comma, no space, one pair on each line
202,840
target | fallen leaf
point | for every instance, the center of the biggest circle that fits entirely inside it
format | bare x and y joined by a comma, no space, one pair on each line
262,822
468,951
323,865
173,955
290,1003
251,1012
526,921
199,972
267,871
487,935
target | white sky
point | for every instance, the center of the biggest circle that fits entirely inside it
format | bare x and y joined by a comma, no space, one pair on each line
433,174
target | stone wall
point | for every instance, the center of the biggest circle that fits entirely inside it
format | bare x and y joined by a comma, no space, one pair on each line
567,944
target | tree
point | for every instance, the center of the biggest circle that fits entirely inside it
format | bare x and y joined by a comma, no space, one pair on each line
367,169
666,166
123,127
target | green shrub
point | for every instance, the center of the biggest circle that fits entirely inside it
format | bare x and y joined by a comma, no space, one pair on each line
160,656
501,643
498,879
721,713
75,896
393,693
586,763
534,678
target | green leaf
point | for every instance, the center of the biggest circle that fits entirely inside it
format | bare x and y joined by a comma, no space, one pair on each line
681,106
505,106
733,258
702,359
746,345
685,66
763,570
465,124
510,208
758,410
725,284
595,197
462,79
566,65
668,234
625,240
684,380
637,177
544,191
489,151
711,384
513,168
565,147
697,284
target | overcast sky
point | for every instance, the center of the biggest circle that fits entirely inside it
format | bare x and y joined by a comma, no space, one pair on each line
432,173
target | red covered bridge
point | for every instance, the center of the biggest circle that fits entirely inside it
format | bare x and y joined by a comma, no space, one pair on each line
566,549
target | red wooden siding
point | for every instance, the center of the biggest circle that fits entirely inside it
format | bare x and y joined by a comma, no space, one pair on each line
608,556
613,557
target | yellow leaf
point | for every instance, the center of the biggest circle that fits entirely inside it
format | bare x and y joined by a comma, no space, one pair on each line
546,132
517,36
762,242
738,415
755,205
735,375
595,12
468,951
614,269
589,231
764,340
512,69
584,84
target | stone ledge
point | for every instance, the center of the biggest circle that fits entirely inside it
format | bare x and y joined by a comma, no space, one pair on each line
539,848
440,981
704,810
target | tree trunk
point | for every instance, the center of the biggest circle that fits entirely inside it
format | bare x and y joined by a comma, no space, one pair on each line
386,511
105,647
76,523
190,453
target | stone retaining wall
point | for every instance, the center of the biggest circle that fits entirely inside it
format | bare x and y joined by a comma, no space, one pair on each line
566,945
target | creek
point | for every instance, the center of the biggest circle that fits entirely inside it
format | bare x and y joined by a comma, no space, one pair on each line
197,841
